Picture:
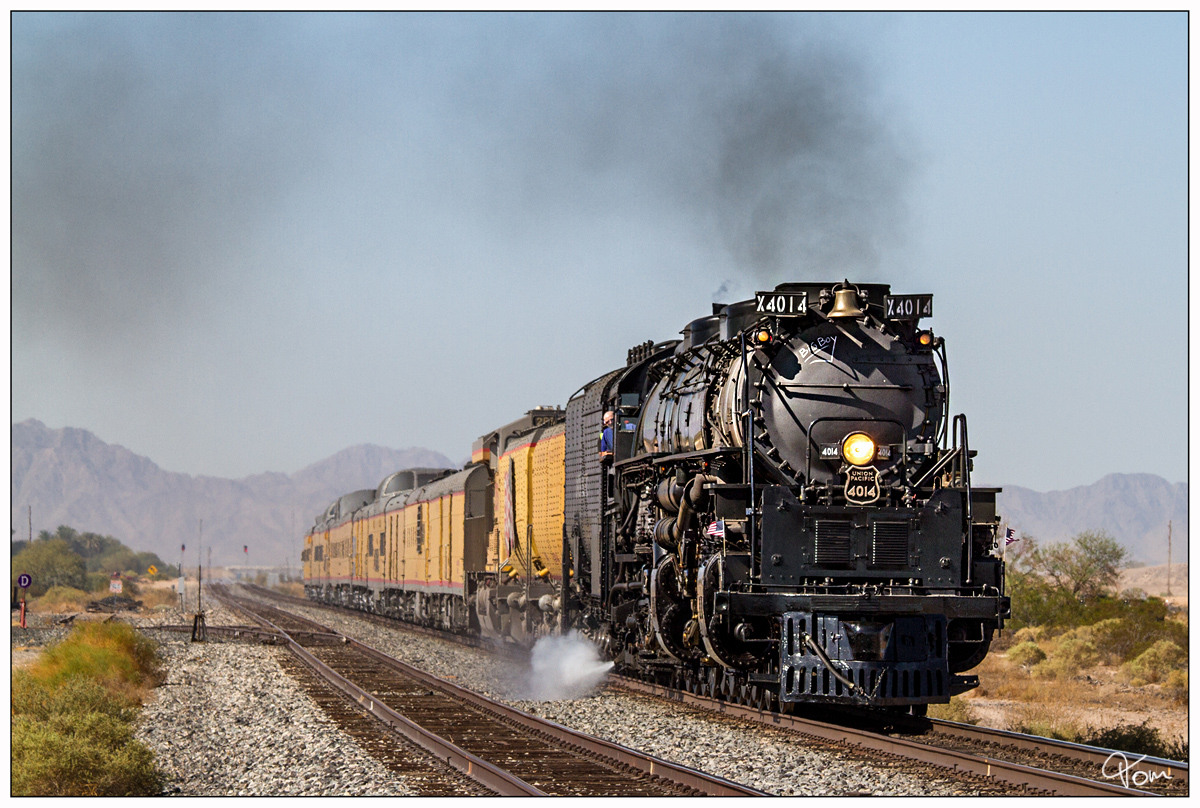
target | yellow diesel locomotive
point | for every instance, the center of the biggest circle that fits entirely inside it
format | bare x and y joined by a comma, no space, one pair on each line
478,550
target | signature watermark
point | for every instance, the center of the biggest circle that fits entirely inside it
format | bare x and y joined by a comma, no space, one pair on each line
1118,767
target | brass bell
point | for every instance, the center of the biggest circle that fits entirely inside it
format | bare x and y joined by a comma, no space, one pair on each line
845,303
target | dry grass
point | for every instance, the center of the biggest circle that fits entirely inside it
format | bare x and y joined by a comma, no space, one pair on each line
61,599
293,588
1002,678
1080,703
113,654
158,596
958,710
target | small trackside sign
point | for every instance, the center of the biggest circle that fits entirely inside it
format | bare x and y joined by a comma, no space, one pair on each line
781,304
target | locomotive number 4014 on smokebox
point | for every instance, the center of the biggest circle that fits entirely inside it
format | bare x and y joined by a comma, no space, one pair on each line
908,307
782,304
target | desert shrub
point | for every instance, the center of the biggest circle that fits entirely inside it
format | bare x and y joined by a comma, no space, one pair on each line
1140,625
74,737
1028,634
1176,685
957,710
1026,653
62,598
33,699
1055,667
1140,739
113,654
78,755
1077,650
1122,628
1155,663
97,582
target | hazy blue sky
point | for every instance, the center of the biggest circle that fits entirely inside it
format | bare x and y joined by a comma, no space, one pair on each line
242,243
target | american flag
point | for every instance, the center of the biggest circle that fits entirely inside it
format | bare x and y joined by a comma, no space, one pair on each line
717,529
1010,536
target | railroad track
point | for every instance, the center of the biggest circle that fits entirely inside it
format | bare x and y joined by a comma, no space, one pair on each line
1002,756
507,751
1156,775
1022,761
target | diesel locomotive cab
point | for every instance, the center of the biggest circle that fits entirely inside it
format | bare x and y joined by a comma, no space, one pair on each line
801,505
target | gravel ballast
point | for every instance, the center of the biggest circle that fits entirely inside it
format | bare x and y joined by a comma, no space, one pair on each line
230,721
768,759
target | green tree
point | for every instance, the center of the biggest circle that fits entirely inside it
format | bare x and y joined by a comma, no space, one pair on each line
1086,567
91,544
50,562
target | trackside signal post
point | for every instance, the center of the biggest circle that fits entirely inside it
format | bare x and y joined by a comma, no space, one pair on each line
24,580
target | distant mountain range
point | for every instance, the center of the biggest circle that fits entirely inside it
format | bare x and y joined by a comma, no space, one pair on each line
1133,508
71,477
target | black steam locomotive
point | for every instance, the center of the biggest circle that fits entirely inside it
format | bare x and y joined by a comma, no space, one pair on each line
787,515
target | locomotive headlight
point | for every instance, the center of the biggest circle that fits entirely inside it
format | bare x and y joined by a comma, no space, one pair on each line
763,337
858,449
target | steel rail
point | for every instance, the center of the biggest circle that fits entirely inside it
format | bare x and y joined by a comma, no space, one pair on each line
708,784
237,632
1174,769
479,770
1015,774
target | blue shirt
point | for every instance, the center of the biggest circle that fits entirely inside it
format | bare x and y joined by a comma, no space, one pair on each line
606,439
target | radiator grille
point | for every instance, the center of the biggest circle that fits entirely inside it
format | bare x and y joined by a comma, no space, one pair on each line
832,545
889,544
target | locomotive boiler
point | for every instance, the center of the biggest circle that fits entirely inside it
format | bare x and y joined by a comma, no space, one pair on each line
786,514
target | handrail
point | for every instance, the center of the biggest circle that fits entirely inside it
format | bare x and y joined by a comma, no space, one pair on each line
964,464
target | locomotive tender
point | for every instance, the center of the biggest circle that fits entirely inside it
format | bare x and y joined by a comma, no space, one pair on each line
786,516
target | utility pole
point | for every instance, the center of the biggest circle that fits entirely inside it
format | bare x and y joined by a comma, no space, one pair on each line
31,524
1168,557
199,566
